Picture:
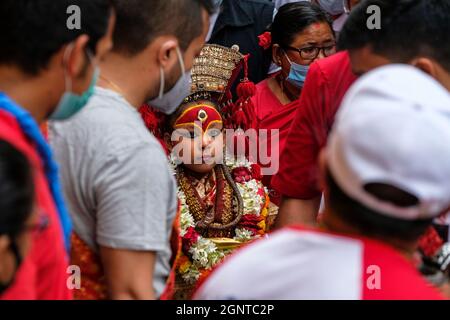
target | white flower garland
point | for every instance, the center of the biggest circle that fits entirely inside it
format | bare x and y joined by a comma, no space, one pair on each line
205,253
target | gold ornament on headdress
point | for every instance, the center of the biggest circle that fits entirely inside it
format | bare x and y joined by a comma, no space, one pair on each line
214,68
202,116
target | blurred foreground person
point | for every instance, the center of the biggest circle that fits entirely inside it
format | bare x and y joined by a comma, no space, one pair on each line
385,172
120,191
47,71
329,79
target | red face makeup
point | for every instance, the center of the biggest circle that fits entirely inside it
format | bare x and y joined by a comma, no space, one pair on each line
201,116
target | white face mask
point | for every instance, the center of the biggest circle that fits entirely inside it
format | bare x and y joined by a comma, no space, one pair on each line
333,7
169,102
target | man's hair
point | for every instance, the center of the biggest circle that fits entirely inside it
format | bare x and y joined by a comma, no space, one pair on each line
139,22
32,31
16,190
370,222
409,29
293,18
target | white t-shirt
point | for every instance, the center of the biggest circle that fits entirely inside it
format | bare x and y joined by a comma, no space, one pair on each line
116,180
304,264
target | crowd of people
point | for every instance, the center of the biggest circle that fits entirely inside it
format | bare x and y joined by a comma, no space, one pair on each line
224,149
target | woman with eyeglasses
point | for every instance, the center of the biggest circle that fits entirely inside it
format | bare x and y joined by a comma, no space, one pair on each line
300,34
17,222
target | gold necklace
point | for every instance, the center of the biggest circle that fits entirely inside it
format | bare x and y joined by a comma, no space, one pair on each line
113,85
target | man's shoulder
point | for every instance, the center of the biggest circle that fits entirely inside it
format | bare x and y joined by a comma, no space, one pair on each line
106,107
290,257
108,121
335,67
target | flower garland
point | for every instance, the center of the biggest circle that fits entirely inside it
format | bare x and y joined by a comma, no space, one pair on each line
200,254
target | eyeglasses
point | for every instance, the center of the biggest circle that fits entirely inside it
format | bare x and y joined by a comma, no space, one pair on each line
311,53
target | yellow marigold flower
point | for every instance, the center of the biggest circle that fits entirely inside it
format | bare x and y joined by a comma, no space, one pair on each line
262,225
185,266
264,213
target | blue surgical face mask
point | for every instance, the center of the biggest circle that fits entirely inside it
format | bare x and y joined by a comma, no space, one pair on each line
297,75
169,102
333,7
71,103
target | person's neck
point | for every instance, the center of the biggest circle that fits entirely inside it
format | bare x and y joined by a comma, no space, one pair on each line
120,74
335,225
288,91
34,94
197,175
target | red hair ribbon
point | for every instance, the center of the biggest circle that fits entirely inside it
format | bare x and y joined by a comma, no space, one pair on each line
265,40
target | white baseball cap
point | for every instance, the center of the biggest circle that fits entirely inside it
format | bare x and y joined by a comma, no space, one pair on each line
394,128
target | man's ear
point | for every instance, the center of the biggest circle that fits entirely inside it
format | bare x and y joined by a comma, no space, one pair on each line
75,57
106,43
165,50
426,65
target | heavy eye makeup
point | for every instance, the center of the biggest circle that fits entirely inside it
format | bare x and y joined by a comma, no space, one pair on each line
193,132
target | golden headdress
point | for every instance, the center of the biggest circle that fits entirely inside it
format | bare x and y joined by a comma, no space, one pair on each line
214,72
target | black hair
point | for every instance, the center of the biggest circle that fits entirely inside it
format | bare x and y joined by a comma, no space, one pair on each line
16,190
293,18
32,31
372,223
409,29
139,22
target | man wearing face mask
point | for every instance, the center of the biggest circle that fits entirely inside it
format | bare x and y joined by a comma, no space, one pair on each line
120,190
46,71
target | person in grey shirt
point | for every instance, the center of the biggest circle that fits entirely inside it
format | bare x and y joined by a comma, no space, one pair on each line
116,179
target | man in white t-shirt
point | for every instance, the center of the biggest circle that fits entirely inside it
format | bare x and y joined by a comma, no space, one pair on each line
116,178
386,175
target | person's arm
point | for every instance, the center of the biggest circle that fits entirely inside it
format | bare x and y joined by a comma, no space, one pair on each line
129,274
296,211
136,199
297,179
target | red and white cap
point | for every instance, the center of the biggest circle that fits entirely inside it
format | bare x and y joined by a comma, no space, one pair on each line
394,128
